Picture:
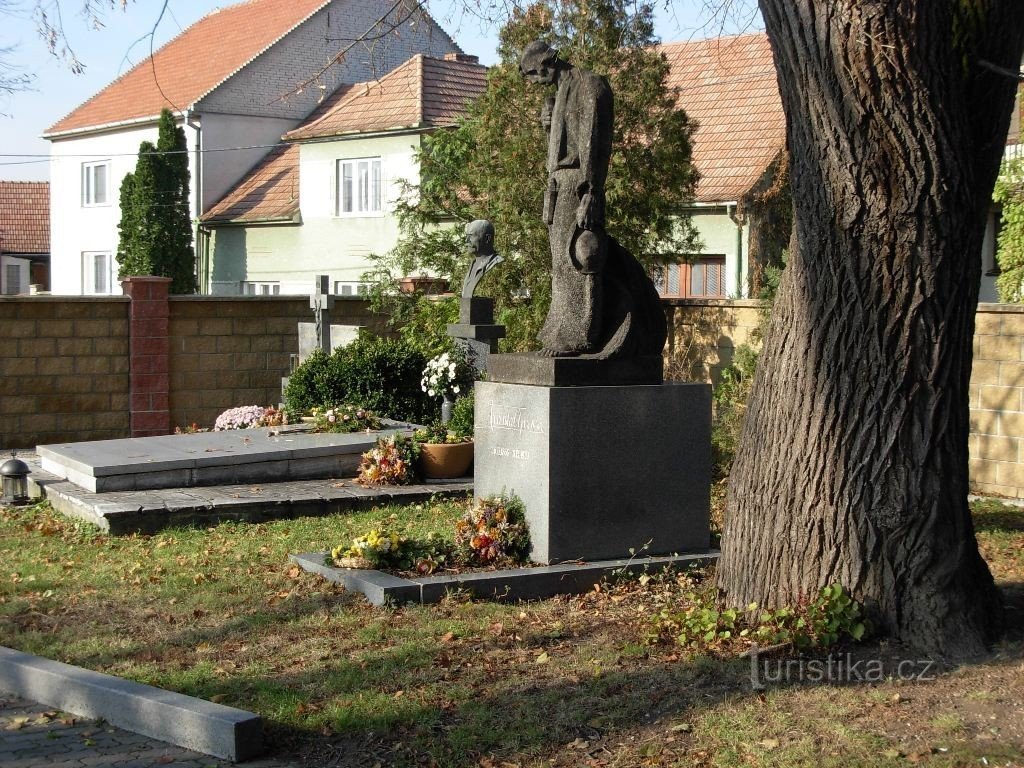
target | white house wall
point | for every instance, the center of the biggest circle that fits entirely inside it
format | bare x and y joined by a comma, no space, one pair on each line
338,246
76,228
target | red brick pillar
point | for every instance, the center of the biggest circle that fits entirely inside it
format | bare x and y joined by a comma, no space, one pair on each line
149,355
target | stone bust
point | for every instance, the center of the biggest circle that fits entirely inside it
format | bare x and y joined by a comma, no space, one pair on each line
480,244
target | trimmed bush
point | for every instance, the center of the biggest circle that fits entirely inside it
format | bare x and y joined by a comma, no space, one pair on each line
380,374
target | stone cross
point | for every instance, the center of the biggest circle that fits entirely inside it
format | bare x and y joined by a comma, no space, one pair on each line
321,302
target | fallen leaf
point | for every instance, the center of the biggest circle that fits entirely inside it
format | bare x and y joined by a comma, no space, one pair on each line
447,637
543,658
684,727
768,744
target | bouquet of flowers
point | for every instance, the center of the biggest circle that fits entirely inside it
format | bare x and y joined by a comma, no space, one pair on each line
248,416
494,529
390,462
344,418
379,548
446,375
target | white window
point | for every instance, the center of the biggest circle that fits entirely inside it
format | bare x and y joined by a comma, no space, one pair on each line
96,183
97,272
350,288
251,288
359,187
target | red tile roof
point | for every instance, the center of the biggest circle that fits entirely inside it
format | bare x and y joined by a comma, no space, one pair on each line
728,86
422,93
269,192
25,217
193,63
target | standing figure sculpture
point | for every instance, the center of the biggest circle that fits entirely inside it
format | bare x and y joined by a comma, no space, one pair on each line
603,304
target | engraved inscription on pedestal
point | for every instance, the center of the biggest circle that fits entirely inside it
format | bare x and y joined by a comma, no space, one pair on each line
601,470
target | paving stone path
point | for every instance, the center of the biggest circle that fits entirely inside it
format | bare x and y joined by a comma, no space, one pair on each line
33,736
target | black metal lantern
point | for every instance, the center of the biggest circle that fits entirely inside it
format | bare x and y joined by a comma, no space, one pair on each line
14,473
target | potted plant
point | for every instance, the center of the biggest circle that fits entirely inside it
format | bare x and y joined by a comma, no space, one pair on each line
446,450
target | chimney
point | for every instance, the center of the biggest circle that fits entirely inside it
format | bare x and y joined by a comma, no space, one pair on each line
465,58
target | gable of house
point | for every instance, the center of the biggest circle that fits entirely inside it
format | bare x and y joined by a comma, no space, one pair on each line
191,65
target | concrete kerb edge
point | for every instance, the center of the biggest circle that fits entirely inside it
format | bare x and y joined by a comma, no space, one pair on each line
213,729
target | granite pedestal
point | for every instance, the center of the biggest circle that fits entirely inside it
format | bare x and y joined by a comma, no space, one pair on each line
604,472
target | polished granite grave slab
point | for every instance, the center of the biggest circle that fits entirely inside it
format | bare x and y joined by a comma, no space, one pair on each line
534,583
268,454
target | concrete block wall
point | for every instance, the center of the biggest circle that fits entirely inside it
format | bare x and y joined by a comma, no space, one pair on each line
227,351
67,363
997,401
63,369
704,334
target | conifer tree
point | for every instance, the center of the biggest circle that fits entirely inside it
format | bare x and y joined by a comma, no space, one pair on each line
156,231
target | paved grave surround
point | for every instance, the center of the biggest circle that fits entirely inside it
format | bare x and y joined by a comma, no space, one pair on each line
230,457
511,584
126,512
203,726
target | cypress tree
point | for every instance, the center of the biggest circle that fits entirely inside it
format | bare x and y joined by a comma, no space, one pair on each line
156,232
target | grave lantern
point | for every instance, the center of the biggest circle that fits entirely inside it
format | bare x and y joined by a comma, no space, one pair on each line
14,473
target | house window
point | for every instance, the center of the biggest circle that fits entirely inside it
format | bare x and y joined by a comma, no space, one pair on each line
350,288
255,288
359,186
97,272
96,183
703,279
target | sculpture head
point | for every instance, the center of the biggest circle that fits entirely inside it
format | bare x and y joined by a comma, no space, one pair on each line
480,237
540,64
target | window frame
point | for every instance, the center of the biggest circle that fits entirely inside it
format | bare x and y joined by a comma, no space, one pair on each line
685,275
89,273
89,184
355,193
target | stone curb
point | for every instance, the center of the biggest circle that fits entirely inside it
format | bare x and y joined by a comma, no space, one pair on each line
185,721
534,583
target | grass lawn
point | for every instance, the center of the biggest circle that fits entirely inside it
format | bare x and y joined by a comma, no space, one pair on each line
220,613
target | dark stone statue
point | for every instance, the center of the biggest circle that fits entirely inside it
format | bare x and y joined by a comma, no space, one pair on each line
603,304
480,244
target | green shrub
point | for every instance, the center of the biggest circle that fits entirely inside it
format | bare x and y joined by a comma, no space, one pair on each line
380,374
730,405
461,422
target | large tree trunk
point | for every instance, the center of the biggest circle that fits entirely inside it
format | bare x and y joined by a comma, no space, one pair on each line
852,465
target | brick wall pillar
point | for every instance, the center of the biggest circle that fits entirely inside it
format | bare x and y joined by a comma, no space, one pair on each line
149,354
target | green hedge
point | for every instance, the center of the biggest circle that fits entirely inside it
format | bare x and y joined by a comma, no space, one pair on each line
373,372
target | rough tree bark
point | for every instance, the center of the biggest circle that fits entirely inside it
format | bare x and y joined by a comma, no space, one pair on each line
852,465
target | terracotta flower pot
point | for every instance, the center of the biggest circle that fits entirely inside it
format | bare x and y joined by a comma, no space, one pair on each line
443,461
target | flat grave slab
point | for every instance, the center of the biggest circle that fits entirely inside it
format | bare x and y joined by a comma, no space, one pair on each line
210,458
532,583
150,511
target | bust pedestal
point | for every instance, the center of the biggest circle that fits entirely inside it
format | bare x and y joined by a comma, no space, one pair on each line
604,471
476,330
